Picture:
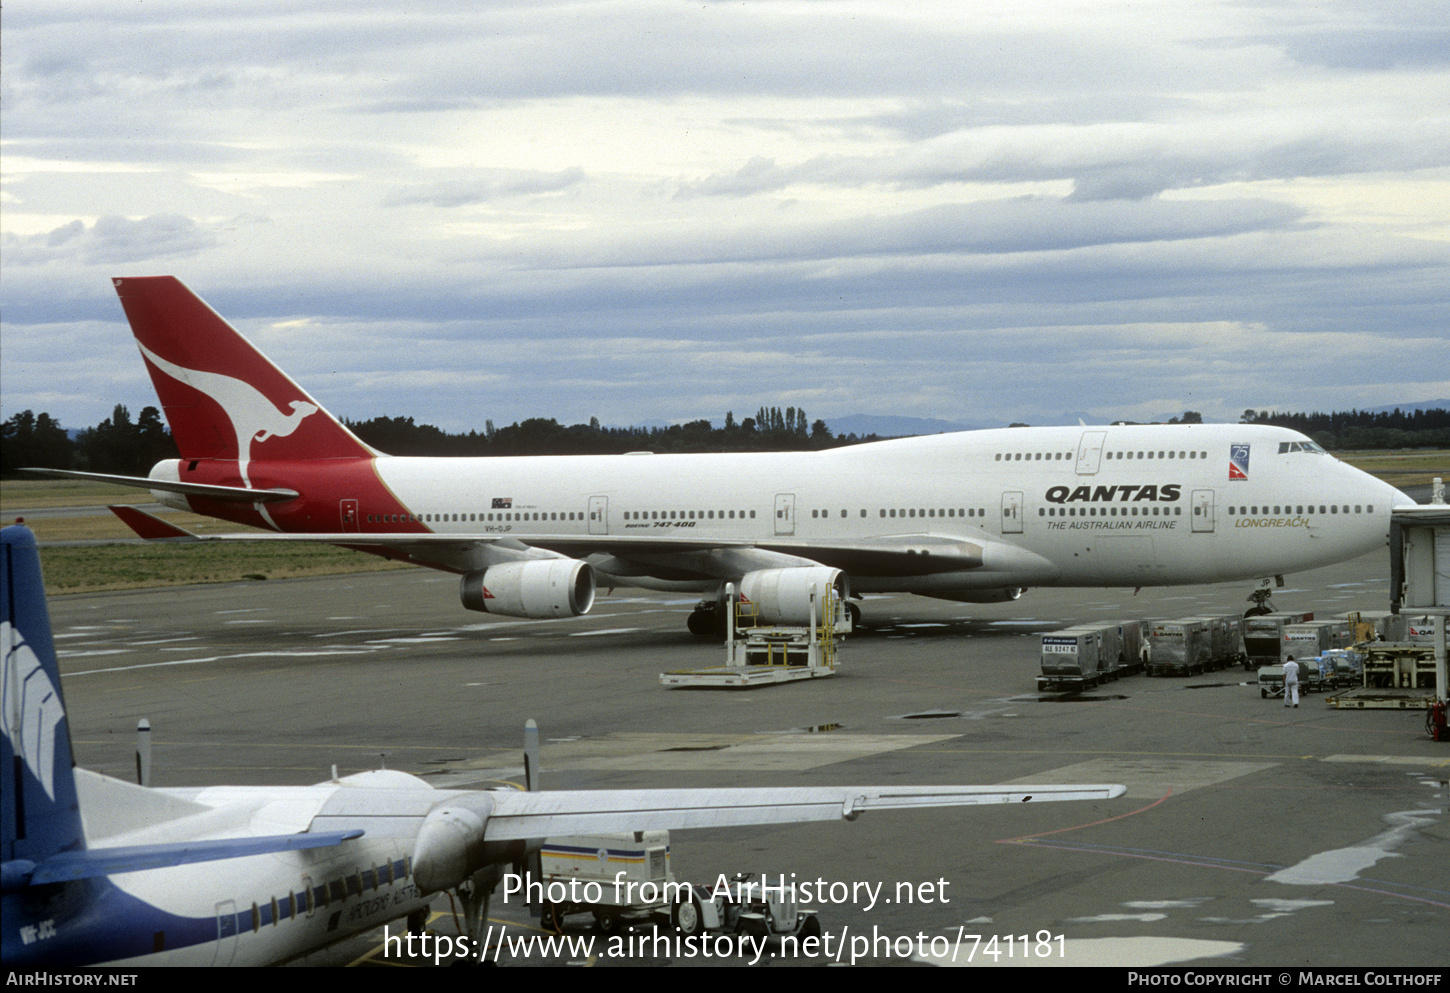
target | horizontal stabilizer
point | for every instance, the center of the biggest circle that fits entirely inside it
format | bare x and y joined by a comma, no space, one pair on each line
69,866
561,812
149,526
233,494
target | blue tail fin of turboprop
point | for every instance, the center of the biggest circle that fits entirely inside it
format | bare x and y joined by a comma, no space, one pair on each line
41,814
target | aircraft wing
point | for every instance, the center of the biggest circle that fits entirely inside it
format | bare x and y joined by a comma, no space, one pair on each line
456,830
560,812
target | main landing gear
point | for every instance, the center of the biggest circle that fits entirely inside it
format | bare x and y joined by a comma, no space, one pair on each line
707,620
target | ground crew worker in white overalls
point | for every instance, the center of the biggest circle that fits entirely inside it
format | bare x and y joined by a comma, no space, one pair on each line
1291,682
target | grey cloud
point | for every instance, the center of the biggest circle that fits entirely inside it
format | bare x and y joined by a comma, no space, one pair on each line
1009,226
1371,49
112,239
489,184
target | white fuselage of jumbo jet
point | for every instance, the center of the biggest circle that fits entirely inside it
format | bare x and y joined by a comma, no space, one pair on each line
1065,506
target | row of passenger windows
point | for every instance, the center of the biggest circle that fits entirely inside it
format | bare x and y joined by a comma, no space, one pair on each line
441,518
1059,456
1110,512
313,898
688,515
1254,510
909,512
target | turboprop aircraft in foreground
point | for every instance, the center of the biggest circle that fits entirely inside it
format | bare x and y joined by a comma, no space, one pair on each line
95,870
973,516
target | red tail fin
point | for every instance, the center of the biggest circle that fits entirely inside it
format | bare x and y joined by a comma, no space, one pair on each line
222,397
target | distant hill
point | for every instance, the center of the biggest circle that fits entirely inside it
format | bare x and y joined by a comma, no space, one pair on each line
891,426
1410,407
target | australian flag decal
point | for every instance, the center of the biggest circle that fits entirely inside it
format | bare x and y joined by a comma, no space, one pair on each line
506,503
1238,462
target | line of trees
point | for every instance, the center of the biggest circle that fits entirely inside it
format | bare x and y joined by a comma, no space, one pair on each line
116,445
771,429
131,447
1351,429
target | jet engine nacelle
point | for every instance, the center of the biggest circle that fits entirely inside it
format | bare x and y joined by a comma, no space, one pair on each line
980,596
531,588
783,596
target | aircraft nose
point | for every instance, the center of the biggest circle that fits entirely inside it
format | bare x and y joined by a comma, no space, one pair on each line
1399,498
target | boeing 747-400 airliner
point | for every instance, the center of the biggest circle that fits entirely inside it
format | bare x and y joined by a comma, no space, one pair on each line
974,516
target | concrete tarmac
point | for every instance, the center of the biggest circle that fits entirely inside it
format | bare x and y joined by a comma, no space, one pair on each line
1251,834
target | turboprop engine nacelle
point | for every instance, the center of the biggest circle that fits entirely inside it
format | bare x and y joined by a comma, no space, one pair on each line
450,846
783,596
531,588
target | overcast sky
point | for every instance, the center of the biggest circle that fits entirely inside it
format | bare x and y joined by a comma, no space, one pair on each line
658,211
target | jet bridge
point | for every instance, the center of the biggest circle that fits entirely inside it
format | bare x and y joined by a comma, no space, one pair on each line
1420,569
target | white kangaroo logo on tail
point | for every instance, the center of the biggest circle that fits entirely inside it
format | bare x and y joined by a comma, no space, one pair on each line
254,417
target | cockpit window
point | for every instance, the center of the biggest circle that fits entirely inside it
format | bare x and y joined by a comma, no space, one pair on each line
1300,446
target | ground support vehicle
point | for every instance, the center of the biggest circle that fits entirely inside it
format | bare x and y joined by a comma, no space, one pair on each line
1264,633
1180,647
757,655
1271,679
1399,665
1346,666
615,877
1375,625
1367,698
757,907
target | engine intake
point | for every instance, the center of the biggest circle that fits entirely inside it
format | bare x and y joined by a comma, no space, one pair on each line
783,596
531,588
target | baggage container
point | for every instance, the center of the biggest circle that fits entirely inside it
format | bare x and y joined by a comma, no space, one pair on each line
1312,639
1070,659
1264,633
1226,639
1179,647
